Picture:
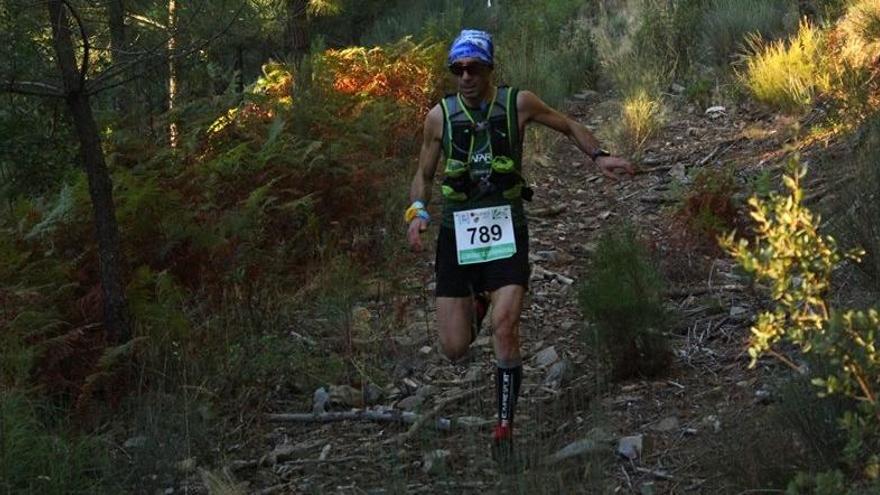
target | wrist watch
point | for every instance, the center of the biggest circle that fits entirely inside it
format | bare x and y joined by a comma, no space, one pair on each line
596,153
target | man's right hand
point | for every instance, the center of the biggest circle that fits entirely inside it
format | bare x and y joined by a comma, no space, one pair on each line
414,235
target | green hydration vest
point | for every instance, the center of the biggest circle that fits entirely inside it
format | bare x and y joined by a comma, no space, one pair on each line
483,156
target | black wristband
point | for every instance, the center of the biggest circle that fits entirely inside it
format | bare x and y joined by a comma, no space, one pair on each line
596,153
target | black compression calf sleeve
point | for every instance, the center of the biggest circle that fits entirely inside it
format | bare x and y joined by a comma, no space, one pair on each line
507,381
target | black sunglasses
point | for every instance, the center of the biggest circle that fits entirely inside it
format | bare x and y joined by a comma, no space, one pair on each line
472,69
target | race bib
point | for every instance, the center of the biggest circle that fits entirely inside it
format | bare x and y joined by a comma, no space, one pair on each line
484,234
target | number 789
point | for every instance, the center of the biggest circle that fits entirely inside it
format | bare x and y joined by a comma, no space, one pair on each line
486,233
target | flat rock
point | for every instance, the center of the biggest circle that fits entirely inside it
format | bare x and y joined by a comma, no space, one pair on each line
577,448
630,447
558,374
546,357
716,110
320,400
434,462
738,311
666,424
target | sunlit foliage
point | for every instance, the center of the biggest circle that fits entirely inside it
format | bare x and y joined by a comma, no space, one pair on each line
788,74
797,262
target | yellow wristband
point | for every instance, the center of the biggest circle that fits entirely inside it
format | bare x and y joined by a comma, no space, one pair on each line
417,209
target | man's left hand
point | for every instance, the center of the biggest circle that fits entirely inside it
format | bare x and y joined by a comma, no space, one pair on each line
611,166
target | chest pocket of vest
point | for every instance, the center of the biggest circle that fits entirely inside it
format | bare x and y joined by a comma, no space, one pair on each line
461,133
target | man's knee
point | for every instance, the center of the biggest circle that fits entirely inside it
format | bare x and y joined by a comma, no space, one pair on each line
453,348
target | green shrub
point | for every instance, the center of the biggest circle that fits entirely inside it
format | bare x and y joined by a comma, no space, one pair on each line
727,23
622,299
788,75
797,262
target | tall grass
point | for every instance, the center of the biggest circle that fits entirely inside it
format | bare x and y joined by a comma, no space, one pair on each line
788,75
642,116
552,64
727,23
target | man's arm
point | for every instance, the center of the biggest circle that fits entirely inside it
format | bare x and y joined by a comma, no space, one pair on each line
422,183
533,109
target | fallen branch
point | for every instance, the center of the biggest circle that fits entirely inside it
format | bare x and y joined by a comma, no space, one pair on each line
716,153
387,416
403,437
699,291
709,156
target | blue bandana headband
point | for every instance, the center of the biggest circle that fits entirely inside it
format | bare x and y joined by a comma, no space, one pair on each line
472,44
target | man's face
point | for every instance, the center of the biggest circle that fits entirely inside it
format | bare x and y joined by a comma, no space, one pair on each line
472,76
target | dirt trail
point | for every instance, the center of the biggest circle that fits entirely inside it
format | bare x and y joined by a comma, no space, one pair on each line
687,418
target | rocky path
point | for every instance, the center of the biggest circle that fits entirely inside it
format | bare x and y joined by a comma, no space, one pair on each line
668,435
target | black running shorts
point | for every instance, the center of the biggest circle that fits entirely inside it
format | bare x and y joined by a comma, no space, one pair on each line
454,280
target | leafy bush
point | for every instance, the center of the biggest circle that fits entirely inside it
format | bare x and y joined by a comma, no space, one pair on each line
797,262
726,24
788,75
622,298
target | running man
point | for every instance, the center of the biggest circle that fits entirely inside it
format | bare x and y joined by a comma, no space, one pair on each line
483,241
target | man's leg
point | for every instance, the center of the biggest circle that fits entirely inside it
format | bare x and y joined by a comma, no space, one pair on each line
454,325
507,304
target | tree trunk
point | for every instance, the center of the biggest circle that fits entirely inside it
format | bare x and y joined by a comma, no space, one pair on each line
116,318
116,16
173,133
296,34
